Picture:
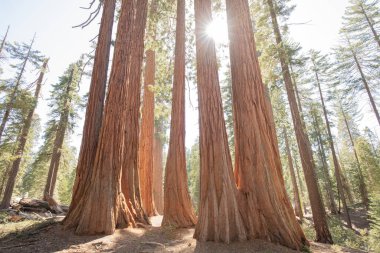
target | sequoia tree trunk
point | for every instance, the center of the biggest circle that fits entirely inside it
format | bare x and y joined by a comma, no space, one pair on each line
178,210
333,153
158,170
58,141
147,137
3,41
296,195
371,25
104,189
308,165
13,95
15,167
219,216
94,112
267,212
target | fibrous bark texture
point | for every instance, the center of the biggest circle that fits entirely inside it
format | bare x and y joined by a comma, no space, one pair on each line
15,167
268,213
94,112
308,165
158,170
219,215
147,137
104,189
178,210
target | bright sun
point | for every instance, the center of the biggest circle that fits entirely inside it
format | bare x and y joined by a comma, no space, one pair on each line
217,30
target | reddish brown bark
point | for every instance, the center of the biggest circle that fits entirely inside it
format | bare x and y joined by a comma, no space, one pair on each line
3,41
319,213
15,167
267,212
95,105
147,137
158,170
296,195
219,215
178,210
105,186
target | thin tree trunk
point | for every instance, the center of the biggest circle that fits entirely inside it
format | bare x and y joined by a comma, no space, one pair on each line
4,40
301,187
13,95
58,141
104,189
371,26
147,137
319,213
335,158
366,86
362,185
178,210
267,211
158,170
219,216
94,112
327,180
296,195
15,167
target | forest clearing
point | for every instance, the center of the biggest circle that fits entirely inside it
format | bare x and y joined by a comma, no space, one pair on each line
190,126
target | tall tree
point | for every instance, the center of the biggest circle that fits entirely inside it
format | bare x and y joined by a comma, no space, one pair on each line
318,65
15,167
319,213
4,41
219,214
178,210
95,105
158,170
266,213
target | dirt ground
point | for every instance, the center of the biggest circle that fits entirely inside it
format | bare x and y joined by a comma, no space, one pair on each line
50,237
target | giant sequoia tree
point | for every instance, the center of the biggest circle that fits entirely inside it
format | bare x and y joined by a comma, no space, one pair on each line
95,104
178,210
219,214
266,213
105,188
319,213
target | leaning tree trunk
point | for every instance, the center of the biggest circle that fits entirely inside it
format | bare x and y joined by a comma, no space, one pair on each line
371,25
94,112
58,141
104,189
219,214
178,210
147,137
301,186
296,195
158,170
333,153
362,185
267,212
12,97
15,167
308,165
325,171
4,40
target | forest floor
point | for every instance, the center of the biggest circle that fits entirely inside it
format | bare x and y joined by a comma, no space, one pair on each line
48,236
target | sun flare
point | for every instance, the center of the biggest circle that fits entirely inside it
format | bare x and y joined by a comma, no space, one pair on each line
217,30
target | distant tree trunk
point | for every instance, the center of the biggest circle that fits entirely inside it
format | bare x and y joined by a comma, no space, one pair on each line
13,95
15,167
147,137
362,185
58,141
319,213
94,112
105,187
296,195
326,175
301,186
366,86
267,212
4,40
219,214
158,171
178,210
130,176
333,153
371,25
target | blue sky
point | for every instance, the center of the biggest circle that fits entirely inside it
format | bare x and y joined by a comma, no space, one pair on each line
52,20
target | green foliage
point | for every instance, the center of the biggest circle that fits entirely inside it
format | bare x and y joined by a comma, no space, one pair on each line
193,170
